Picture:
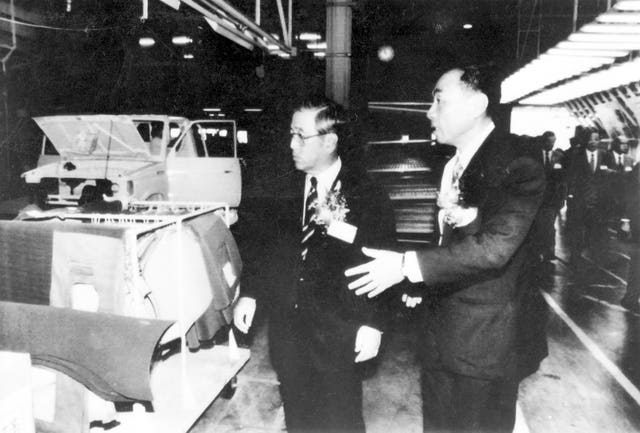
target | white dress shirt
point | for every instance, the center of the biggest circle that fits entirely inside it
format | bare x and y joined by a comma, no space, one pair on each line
411,268
325,182
593,166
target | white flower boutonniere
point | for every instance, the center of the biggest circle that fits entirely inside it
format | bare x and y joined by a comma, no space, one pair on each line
455,214
332,208
331,215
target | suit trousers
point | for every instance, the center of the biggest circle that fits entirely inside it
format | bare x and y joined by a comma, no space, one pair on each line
631,297
455,403
545,229
316,398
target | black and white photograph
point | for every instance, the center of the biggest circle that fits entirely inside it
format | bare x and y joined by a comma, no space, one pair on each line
320,216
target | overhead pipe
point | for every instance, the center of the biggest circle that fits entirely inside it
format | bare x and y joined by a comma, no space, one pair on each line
220,26
283,23
243,20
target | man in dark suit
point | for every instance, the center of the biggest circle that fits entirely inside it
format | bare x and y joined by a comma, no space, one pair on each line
632,295
553,198
319,330
587,200
475,282
619,179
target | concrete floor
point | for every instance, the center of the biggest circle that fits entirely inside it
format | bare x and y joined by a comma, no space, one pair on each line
588,383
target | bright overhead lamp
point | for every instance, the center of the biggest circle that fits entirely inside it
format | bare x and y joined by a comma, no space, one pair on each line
467,26
627,5
604,37
619,17
211,109
586,46
586,53
611,28
309,37
284,55
317,46
253,110
320,54
188,56
603,80
272,47
595,60
146,42
181,40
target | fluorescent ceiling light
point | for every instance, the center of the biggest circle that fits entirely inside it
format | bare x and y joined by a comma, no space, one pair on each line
146,42
586,53
320,54
604,37
627,5
253,110
603,80
309,37
467,26
284,55
272,47
611,28
188,56
573,59
211,109
627,46
619,17
317,46
181,40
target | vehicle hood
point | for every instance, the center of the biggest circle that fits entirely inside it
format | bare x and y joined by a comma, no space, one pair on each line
94,136
89,169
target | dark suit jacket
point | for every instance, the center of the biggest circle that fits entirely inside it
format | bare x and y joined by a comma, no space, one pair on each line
589,189
620,187
478,274
554,172
633,202
317,289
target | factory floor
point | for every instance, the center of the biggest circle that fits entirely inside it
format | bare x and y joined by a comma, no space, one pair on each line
588,383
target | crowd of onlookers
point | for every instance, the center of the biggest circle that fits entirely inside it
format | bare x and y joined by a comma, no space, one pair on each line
599,183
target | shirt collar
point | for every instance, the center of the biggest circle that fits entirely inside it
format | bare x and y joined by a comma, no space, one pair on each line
465,155
327,177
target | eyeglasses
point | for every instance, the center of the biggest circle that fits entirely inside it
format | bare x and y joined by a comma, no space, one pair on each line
301,137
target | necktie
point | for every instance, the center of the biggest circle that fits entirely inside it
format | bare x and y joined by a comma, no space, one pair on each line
592,162
309,226
545,157
456,172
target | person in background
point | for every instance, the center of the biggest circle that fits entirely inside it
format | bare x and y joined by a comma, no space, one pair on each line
474,281
553,199
632,295
619,181
319,331
587,199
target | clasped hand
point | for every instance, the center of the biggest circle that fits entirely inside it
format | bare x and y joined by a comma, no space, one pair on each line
377,275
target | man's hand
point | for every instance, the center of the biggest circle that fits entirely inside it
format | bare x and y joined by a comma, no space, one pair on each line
367,343
379,274
243,313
